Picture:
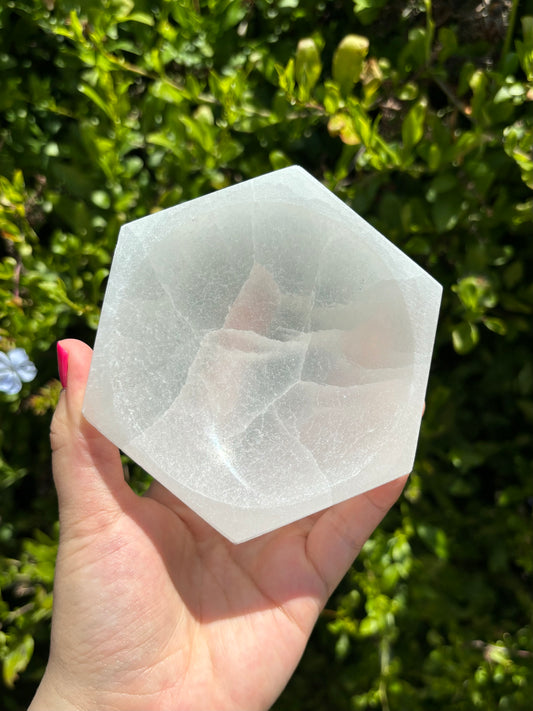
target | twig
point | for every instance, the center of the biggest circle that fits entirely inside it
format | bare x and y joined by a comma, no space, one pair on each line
459,105
510,30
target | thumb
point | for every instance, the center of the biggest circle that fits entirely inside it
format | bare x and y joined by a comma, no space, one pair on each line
87,469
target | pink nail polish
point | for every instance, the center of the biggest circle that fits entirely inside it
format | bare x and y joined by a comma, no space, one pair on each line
62,364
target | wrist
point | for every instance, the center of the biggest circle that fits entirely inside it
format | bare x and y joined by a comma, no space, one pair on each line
48,696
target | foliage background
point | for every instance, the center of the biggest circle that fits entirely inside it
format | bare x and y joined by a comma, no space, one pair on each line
110,109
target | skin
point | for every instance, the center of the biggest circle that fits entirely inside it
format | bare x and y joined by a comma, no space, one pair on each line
153,609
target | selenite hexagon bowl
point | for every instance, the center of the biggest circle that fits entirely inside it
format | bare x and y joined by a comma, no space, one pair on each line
263,352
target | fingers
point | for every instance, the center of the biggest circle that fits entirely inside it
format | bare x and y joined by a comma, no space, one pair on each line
339,534
87,468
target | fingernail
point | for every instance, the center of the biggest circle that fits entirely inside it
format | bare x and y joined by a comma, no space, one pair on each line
62,364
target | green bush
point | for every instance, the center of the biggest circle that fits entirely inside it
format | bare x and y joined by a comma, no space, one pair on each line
419,115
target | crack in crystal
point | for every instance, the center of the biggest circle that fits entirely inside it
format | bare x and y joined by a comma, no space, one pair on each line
253,225
268,406
314,288
295,435
166,290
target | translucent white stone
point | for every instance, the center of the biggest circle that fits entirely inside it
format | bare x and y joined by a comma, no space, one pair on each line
263,352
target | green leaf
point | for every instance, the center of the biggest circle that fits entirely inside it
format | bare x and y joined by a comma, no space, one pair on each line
76,26
234,14
140,17
465,337
17,659
342,646
496,325
369,626
435,538
167,92
101,199
524,48
348,61
278,160
476,293
514,273
448,43
286,77
446,211
97,99
413,125
368,10
307,66
342,125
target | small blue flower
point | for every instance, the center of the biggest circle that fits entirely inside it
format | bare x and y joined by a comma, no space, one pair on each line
15,368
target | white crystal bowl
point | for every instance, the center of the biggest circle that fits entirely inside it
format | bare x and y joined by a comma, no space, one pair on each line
263,352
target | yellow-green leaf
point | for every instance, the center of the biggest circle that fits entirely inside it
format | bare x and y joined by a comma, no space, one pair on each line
17,659
348,61
307,66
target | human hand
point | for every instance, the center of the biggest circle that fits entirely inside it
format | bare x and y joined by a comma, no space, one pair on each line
153,609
